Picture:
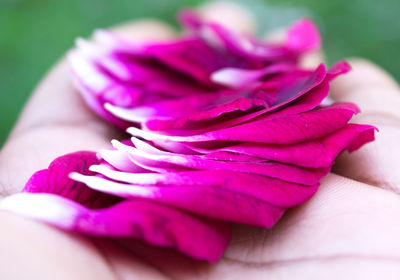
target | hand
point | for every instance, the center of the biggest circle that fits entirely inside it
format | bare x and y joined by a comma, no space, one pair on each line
348,230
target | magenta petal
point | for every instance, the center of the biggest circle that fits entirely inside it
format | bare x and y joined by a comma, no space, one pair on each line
291,86
197,116
51,196
55,180
284,172
317,153
168,108
154,223
340,68
303,36
280,130
92,83
317,94
270,190
119,160
128,69
237,78
193,57
165,162
202,200
352,137
305,89
296,84
149,75
302,90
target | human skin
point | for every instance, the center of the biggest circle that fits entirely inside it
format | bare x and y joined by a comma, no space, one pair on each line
348,230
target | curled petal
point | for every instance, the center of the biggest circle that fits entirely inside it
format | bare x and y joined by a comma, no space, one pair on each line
303,36
55,180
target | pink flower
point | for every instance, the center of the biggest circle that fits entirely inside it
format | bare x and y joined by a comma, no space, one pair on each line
194,77
242,182
52,197
226,128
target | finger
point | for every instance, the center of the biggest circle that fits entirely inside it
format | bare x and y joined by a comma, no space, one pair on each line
312,59
47,253
374,90
145,30
229,14
378,97
56,121
334,227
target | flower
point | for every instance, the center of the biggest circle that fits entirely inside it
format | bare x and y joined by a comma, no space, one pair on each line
242,182
129,83
225,128
52,197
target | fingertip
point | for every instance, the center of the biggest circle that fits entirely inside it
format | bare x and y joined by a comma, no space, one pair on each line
378,96
145,29
232,15
364,74
312,59
369,86
370,69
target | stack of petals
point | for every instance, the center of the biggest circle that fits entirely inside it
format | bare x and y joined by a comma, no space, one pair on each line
225,128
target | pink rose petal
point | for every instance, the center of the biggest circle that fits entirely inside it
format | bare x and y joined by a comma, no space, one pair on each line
55,180
166,162
270,190
289,129
202,200
154,223
51,196
315,153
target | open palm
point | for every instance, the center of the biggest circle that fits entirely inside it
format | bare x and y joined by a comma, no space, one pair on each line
348,230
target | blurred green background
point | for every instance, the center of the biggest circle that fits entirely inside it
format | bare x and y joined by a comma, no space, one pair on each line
35,33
